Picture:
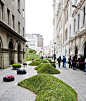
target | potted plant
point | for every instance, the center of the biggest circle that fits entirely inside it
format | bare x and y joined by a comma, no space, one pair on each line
21,71
53,63
8,78
16,66
25,64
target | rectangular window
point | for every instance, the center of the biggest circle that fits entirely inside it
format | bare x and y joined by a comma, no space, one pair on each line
23,14
18,5
13,20
67,15
65,18
18,27
66,35
74,24
78,20
70,8
8,15
1,10
70,31
23,31
84,16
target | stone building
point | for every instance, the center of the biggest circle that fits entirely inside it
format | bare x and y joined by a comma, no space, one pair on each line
70,27
12,30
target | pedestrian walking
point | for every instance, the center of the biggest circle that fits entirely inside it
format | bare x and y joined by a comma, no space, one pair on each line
79,62
85,65
74,63
64,61
82,63
59,61
42,57
69,61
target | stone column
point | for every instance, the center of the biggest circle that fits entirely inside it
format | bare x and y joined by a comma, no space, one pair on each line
21,56
5,58
15,57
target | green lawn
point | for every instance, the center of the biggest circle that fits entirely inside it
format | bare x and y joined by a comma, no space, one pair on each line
29,56
49,88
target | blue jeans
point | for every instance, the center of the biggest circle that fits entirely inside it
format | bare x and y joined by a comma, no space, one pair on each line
64,64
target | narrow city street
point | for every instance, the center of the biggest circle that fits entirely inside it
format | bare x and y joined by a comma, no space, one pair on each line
9,91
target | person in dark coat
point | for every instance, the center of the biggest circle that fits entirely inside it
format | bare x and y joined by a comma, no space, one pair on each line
82,65
59,61
69,61
42,57
74,63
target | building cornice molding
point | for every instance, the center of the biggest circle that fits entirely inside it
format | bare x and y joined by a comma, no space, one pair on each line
9,29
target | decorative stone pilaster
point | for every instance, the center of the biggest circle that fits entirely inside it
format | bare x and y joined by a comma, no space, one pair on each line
15,57
5,58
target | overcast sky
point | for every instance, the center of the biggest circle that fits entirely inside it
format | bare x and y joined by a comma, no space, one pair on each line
39,18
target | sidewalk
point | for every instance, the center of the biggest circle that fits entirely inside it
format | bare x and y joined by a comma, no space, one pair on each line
74,78
9,91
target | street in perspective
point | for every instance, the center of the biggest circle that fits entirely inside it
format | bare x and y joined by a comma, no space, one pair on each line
43,50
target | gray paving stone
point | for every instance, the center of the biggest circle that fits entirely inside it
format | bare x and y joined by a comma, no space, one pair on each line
10,91
76,79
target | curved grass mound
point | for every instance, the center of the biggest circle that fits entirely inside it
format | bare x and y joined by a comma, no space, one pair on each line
49,88
38,59
49,69
44,61
34,63
49,60
36,68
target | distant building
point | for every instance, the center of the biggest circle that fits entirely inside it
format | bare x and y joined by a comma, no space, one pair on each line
12,31
48,50
35,41
51,48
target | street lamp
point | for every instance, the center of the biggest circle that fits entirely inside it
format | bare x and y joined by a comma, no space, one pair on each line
54,51
77,7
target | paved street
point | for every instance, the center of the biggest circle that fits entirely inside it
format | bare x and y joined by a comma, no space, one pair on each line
9,91
76,79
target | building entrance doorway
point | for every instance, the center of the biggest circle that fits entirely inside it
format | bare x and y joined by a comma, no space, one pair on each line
10,52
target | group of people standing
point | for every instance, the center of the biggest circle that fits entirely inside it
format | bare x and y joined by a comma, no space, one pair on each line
73,62
79,63
63,60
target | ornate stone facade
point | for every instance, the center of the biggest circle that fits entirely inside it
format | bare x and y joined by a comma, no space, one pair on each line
70,31
12,25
